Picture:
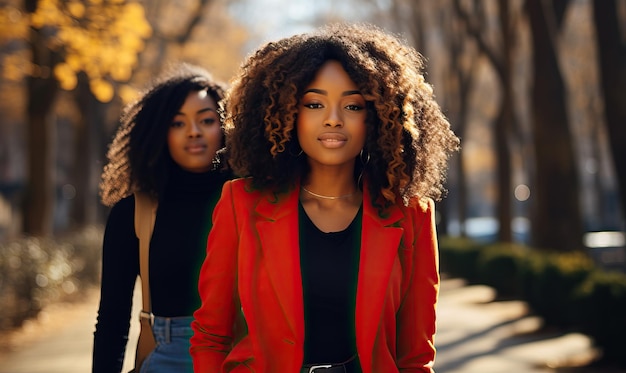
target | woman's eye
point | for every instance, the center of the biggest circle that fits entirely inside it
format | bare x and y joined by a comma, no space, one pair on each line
177,124
208,121
354,107
313,106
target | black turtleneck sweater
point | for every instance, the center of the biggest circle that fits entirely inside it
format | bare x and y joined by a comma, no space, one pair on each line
177,251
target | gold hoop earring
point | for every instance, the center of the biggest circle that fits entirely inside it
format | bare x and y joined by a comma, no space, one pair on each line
366,157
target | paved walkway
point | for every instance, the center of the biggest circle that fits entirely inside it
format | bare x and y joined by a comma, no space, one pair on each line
474,335
61,339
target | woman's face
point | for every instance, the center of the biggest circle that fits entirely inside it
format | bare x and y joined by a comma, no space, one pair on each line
195,135
331,118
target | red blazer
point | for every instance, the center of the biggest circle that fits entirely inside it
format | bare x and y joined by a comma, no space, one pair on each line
253,257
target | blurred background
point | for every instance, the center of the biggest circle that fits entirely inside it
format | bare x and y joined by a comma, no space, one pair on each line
534,88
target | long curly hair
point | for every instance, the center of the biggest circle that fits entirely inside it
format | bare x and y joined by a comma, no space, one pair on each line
408,140
138,156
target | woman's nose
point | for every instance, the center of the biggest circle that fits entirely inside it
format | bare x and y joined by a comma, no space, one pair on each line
194,130
334,118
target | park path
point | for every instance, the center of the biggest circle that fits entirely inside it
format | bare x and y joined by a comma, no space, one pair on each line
61,339
475,334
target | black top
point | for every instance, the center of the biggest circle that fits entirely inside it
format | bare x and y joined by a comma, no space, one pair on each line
330,264
177,251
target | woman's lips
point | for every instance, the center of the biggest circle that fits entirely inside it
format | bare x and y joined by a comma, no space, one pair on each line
332,140
196,148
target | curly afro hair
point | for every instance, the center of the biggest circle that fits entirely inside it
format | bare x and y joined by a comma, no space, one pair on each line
409,140
138,158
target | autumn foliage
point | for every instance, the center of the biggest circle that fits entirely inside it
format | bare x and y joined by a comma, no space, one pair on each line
101,38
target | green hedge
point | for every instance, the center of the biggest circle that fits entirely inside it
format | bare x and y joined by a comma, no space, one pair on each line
566,290
602,302
550,282
36,272
500,265
460,257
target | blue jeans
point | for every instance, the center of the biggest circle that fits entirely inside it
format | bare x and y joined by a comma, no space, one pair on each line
172,351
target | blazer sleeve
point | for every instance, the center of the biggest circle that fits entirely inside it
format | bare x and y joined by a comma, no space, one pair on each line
217,285
416,317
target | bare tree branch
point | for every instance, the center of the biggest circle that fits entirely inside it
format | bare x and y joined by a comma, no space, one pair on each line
473,27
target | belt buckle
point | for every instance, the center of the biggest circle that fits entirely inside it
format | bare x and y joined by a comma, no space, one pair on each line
316,367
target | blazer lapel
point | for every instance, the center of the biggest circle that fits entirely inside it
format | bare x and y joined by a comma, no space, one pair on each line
277,226
379,248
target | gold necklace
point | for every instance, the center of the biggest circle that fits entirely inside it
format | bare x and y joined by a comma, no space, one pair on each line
326,197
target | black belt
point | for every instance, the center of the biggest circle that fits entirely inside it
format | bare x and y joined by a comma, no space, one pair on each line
348,366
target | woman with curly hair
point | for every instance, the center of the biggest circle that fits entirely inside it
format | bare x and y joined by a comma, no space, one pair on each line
166,147
324,258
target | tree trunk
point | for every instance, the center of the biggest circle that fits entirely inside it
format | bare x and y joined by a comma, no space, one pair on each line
556,215
458,89
88,154
505,119
612,61
504,170
41,91
503,128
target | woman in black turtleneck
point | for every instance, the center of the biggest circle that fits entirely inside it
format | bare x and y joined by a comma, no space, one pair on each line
166,146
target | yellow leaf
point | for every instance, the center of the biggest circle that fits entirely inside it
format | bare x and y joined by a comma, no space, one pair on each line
135,14
74,61
66,76
127,93
13,24
48,13
76,9
121,73
13,67
101,89
37,20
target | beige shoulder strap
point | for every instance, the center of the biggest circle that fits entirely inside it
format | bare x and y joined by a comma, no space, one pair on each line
145,216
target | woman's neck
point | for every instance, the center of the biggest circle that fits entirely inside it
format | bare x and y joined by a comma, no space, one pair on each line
330,183
331,200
